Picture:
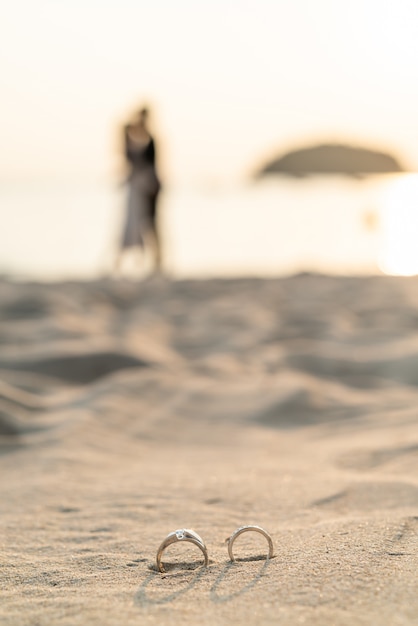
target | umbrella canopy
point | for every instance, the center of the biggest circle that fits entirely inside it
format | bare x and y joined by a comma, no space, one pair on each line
332,159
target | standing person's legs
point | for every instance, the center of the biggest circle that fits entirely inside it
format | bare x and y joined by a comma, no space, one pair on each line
134,230
154,234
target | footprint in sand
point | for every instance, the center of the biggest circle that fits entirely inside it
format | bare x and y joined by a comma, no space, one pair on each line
370,496
405,539
77,368
365,460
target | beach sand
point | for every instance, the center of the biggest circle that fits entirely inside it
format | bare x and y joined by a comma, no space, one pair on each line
128,410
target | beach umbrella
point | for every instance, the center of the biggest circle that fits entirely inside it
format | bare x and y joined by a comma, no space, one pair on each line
332,159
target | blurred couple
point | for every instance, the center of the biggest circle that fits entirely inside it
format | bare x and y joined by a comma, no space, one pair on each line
140,229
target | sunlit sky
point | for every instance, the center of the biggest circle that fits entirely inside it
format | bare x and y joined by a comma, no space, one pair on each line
231,82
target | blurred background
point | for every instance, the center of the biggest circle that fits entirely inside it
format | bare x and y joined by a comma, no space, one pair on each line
232,87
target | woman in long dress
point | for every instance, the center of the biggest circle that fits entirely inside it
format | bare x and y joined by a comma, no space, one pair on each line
143,186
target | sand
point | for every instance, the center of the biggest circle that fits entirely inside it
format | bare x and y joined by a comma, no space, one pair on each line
128,410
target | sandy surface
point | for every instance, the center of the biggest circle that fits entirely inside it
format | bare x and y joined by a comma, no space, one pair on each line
130,410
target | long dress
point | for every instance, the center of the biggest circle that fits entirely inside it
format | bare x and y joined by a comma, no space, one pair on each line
143,188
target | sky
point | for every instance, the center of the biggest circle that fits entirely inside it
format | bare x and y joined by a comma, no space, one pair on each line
231,83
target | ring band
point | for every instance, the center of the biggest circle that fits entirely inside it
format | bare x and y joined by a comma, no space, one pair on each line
244,529
182,534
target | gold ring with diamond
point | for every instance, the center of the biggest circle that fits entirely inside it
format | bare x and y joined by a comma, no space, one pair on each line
244,529
182,534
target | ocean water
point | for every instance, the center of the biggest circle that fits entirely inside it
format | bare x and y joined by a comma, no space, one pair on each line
273,227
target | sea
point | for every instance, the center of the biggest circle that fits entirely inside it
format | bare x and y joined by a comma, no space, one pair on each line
55,230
